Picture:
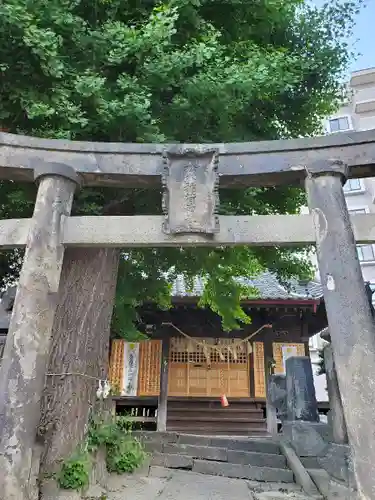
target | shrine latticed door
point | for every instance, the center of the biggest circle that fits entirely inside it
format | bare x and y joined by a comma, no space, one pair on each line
197,369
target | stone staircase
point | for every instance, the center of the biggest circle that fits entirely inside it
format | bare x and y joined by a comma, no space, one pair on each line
205,416
252,459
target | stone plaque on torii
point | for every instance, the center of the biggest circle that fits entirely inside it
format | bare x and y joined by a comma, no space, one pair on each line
190,176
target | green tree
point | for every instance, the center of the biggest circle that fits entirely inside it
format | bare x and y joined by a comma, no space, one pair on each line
184,70
147,71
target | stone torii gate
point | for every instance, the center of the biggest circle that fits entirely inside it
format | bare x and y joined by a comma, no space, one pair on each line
190,176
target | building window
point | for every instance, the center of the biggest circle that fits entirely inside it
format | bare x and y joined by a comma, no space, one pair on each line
339,124
358,211
353,185
365,253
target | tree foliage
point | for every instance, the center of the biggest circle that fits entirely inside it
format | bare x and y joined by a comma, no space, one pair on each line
172,71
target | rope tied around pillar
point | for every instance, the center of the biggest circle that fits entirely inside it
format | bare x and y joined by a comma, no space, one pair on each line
104,387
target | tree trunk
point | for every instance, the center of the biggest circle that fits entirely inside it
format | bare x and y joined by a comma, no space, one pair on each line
79,350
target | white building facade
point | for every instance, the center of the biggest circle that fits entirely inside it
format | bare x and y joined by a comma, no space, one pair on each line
357,113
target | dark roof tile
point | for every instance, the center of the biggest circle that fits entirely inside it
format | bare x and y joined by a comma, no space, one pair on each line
267,284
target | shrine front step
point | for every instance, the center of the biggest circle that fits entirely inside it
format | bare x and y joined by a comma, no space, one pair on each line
225,455
252,459
207,417
207,431
158,439
226,469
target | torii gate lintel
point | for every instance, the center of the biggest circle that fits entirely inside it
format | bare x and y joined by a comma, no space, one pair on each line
241,165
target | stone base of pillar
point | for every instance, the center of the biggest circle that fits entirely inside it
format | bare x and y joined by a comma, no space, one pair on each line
309,439
333,464
339,490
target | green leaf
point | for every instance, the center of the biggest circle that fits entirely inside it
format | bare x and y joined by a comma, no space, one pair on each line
173,71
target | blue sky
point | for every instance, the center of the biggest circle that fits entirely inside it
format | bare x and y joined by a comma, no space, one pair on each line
364,36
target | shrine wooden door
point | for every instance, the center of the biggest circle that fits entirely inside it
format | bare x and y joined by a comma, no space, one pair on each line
197,370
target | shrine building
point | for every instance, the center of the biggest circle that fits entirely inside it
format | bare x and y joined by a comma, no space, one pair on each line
204,362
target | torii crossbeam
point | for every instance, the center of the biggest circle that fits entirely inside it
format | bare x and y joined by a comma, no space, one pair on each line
190,176
266,163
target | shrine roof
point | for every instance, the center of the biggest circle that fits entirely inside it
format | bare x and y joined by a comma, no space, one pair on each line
267,284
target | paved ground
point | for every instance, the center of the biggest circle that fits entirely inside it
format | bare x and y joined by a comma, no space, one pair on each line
181,485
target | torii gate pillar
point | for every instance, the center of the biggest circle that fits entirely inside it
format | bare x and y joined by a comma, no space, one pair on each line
23,368
350,321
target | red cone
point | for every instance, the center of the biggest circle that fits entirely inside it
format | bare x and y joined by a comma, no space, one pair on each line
224,401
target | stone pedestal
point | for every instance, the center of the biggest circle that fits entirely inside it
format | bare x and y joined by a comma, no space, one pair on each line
276,394
337,462
306,438
276,402
301,398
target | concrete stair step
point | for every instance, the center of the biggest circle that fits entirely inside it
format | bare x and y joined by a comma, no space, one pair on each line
172,461
216,468
321,479
202,452
255,487
156,439
212,402
257,459
207,430
153,446
219,425
262,445
225,455
154,436
229,410
234,417
310,462
241,471
278,495
219,419
259,445
260,487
